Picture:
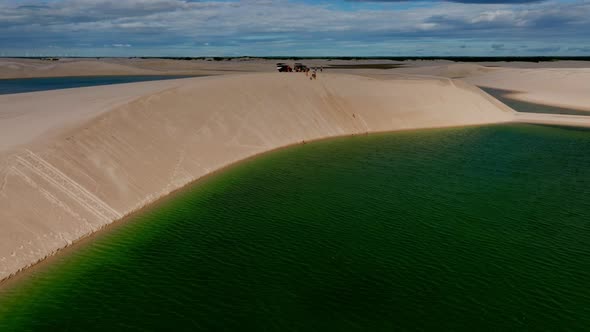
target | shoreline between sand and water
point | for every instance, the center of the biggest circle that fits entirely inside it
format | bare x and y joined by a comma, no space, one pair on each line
514,100
37,84
96,167
18,276
355,125
151,237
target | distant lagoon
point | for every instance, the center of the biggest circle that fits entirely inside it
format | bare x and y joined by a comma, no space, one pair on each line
528,107
22,85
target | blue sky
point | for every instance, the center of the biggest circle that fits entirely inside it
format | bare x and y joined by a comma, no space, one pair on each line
294,27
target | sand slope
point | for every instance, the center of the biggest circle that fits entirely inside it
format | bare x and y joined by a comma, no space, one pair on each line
135,143
562,87
19,68
22,68
26,116
452,70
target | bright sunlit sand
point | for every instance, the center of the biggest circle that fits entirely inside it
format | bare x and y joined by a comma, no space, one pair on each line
294,165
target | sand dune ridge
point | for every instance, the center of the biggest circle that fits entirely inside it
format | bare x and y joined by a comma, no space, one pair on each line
62,182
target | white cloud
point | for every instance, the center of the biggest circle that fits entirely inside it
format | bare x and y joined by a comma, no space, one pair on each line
252,25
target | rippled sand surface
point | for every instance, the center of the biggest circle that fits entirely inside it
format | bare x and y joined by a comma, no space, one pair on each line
480,228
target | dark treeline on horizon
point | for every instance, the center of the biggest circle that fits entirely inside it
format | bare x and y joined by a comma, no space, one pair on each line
450,58
392,58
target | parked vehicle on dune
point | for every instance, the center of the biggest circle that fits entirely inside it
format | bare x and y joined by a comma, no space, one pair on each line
283,67
299,67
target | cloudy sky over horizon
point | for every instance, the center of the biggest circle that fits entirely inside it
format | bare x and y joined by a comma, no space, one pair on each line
294,27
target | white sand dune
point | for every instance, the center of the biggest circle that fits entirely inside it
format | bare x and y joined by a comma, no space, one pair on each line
24,117
73,161
561,87
558,83
23,68
452,70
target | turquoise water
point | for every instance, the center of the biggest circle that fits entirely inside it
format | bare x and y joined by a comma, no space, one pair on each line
480,228
20,85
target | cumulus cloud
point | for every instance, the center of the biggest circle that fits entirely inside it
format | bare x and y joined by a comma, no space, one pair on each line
182,27
458,1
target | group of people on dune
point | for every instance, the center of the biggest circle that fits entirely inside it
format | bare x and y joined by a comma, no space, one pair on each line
314,71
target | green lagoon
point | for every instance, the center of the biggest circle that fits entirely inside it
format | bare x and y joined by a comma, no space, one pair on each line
474,229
